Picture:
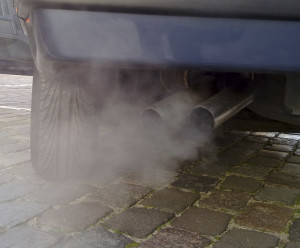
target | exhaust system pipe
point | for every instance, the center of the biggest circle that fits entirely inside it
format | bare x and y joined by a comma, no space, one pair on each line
216,110
172,113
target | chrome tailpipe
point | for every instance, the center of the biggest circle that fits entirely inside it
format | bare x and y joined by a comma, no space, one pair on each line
200,111
213,112
172,113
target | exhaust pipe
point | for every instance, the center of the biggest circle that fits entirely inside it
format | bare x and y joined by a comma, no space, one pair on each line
216,110
171,114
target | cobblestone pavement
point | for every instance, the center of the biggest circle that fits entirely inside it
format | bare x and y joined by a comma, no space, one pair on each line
244,194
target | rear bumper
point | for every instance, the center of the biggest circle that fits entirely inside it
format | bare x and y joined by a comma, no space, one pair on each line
136,40
249,9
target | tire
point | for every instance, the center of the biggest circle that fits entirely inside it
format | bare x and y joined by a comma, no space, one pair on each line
64,123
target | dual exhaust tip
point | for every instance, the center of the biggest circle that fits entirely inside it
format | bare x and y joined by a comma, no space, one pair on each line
198,111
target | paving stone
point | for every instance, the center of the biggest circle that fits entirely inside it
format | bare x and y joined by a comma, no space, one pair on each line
15,213
21,170
279,148
264,161
259,139
149,178
198,183
265,134
95,238
171,199
13,190
294,159
138,222
272,154
24,237
251,145
279,194
238,183
283,179
14,148
282,141
119,195
290,168
211,168
295,231
227,200
261,216
226,140
5,179
297,152
175,238
289,136
60,193
293,245
240,133
246,239
15,158
238,154
252,170
74,217
203,221
7,140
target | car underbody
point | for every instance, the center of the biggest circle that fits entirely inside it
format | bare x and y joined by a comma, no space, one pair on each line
193,66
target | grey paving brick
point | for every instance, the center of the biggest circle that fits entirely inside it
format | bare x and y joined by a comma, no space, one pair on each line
149,178
119,195
252,170
21,170
294,233
175,238
264,161
95,238
227,200
198,183
13,190
7,141
246,239
237,154
240,133
289,136
74,217
15,158
24,237
212,168
5,178
294,159
279,194
14,148
272,154
254,138
261,216
282,141
14,213
265,134
279,148
293,245
60,193
283,179
238,183
171,199
226,140
138,222
251,145
202,221
290,168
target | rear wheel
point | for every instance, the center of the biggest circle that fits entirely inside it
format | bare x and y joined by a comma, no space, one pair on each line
64,122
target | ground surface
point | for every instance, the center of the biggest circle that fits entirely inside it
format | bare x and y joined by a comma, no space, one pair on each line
245,194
